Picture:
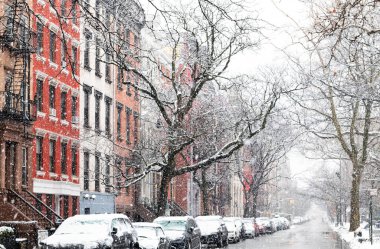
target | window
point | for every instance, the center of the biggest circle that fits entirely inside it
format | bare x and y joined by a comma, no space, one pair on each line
63,8
74,11
64,53
74,59
74,161
87,51
24,166
53,51
65,206
118,177
128,92
136,90
108,68
52,155
119,108
63,106
86,169
52,97
40,37
64,158
87,5
39,96
74,107
128,38
135,127
97,58
97,172
108,116
97,9
39,153
49,203
136,42
97,111
126,176
107,175
120,79
74,203
86,110
128,125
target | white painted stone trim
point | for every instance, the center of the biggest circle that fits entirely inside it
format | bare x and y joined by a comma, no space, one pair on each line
56,187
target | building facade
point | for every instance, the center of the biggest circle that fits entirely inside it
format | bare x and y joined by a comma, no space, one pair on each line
55,85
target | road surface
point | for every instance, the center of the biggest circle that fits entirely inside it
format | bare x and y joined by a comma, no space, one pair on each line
311,235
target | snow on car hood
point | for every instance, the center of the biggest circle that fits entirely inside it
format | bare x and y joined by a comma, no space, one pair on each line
149,242
88,240
174,234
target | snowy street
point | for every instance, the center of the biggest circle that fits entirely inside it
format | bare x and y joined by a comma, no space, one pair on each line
311,235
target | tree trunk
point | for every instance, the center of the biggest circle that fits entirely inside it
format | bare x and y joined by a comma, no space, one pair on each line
163,196
206,210
355,199
254,204
247,204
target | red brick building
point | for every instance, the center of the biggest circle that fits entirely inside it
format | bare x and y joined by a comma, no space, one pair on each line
127,127
55,87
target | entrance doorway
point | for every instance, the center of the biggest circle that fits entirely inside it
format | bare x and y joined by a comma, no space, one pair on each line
10,164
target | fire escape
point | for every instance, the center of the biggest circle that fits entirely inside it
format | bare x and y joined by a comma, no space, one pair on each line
17,114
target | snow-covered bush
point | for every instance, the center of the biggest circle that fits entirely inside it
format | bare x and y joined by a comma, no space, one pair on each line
2,247
6,232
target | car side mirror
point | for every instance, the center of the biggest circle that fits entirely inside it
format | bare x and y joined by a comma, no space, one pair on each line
162,240
360,234
190,230
114,231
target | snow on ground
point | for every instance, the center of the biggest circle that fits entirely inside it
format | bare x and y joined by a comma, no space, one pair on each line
351,239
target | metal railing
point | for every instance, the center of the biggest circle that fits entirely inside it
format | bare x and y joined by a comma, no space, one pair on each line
14,106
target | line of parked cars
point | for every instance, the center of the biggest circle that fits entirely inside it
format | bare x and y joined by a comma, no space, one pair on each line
113,231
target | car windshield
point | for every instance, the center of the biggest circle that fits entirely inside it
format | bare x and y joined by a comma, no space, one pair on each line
179,225
83,227
146,232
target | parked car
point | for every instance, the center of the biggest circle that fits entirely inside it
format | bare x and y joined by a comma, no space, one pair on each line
182,231
261,226
93,231
269,225
250,231
363,231
285,223
151,236
213,230
233,229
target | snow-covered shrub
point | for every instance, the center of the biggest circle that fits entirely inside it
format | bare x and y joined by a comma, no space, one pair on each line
2,247
6,232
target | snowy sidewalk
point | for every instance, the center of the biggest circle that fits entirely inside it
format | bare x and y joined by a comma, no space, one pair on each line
351,240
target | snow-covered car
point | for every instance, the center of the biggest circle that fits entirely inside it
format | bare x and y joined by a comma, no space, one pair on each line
285,222
249,225
182,231
93,231
213,230
363,231
151,236
233,229
269,225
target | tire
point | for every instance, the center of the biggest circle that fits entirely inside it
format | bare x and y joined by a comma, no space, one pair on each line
220,242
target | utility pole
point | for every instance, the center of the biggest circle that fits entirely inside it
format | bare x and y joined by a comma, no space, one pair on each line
372,192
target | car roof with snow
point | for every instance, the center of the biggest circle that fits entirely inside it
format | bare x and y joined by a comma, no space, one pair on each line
90,217
146,224
210,217
184,218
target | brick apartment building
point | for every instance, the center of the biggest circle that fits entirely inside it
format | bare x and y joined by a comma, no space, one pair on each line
55,86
